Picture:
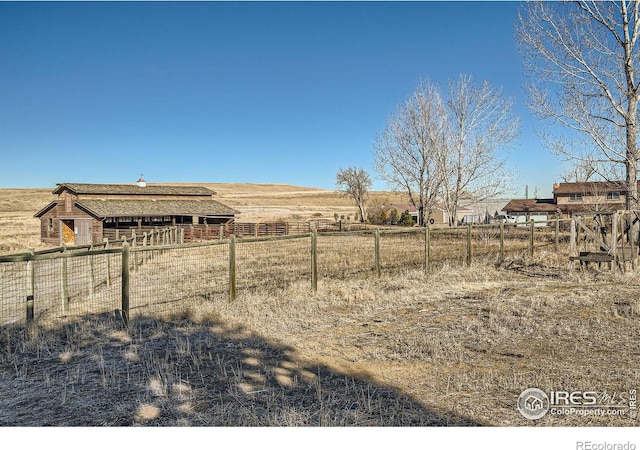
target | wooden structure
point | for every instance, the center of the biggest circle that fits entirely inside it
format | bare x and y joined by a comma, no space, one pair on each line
605,237
87,213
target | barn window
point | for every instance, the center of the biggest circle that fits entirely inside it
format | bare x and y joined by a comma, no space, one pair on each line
51,224
613,195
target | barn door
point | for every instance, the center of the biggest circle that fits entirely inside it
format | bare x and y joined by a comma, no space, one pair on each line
67,235
83,230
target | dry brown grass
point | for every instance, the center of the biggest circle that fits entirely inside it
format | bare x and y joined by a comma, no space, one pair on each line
19,230
454,347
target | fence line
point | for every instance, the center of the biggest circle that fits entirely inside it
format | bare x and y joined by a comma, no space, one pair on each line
157,275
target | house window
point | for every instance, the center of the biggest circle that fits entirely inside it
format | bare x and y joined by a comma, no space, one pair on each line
50,224
613,195
575,197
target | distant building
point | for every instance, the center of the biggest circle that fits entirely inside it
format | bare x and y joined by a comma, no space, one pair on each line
86,213
570,198
439,215
524,210
590,196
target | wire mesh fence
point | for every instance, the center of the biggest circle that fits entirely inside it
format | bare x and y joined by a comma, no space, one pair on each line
403,251
346,256
162,281
158,280
272,264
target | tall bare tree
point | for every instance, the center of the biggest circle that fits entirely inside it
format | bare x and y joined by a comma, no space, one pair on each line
582,58
480,122
355,182
408,154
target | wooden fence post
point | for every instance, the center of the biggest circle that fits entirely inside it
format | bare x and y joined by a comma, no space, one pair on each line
145,243
376,235
314,258
468,244
125,284
30,295
31,275
134,255
232,267
427,248
632,241
533,225
614,240
63,275
107,262
501,256
556,238
91,272
572,242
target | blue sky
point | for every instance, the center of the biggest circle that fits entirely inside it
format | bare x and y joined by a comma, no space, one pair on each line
262,92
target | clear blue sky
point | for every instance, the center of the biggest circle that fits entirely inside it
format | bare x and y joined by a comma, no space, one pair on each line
261,92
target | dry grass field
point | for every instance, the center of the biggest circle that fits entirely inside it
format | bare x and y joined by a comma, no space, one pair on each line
455,346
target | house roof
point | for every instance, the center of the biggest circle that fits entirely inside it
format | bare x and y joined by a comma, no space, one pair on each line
590,187
131,189
148,208
531,205
402,207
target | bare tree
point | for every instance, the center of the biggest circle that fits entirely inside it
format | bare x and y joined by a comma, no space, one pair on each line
582,60
355,182
409,153
480,123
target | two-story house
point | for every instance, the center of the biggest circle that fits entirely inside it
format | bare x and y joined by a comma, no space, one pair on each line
590,196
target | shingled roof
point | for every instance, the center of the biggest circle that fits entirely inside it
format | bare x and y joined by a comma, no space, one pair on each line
131,189
544,205
149,208
590,187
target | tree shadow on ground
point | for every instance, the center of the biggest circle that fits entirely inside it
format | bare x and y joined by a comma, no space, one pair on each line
93,372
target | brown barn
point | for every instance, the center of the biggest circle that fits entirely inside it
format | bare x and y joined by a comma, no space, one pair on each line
86,213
